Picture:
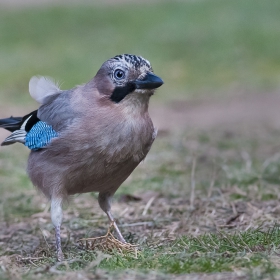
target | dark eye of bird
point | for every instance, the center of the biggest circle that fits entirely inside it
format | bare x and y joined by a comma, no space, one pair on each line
119,74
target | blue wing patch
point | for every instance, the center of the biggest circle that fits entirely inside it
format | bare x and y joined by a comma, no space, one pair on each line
39,136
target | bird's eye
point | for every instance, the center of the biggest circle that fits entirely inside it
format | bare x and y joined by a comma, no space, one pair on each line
119,74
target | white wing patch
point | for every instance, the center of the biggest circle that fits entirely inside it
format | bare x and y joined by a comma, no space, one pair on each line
42,88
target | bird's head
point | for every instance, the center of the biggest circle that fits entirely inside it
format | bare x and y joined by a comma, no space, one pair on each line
126,74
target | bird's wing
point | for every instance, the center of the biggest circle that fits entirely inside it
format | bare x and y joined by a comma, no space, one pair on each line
55,105
32,132
37,129
64,109
42,89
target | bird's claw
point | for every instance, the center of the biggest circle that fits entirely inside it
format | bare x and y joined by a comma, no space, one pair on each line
60,256
107,242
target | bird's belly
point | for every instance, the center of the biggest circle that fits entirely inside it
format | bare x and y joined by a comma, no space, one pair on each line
100,178
93,168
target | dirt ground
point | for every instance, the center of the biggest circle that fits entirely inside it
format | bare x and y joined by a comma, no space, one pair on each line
248,109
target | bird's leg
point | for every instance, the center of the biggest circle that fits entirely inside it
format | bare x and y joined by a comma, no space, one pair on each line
104,200
109,214
56,216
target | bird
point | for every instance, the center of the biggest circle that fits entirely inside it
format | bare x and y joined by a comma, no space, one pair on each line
89,138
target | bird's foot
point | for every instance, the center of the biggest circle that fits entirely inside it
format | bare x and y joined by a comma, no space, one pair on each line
108,242
60,256
59,253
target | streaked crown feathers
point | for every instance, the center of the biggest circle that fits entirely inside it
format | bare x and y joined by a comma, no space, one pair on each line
133,60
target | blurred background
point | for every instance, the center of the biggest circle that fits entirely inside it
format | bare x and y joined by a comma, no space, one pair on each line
215,164
219,59
200,48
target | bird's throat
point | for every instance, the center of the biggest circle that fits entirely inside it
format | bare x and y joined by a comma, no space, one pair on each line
135,103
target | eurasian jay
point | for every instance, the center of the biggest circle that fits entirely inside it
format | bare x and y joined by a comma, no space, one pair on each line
89,138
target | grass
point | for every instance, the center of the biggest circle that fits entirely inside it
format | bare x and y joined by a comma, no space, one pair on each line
209,253
220,221
232,228
195,46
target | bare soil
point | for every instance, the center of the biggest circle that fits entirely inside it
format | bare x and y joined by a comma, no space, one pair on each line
245,109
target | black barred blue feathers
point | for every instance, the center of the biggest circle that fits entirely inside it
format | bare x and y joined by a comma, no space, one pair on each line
40,135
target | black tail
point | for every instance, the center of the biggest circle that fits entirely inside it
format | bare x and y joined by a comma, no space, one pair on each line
11,124
15,123
19,126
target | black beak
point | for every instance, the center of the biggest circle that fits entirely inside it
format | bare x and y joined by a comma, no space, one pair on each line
150,81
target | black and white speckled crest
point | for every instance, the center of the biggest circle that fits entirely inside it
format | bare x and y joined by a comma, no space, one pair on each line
138,62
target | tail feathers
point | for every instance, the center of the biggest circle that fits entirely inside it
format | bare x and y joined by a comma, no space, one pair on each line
11,124
19,127
16,136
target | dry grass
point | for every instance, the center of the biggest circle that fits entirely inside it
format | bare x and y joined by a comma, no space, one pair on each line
204,204
198,193
108,243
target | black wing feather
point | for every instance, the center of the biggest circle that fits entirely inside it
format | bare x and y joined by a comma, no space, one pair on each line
11,124
15,123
